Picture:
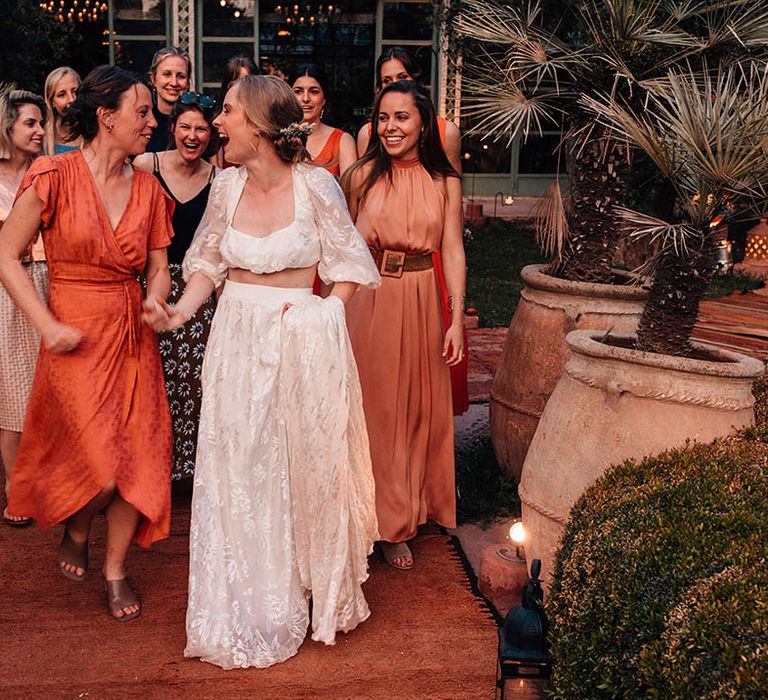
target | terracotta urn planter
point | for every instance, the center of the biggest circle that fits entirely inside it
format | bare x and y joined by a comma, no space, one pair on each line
614,403
535,351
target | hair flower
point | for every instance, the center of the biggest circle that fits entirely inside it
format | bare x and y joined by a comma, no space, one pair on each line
297,129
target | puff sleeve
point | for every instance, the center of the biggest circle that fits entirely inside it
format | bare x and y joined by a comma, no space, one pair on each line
43,177
204,253
344,256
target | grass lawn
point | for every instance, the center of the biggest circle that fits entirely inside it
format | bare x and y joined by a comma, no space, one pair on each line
496,252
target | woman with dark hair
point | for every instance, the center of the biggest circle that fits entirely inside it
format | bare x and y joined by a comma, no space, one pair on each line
283,503
330,148
60,91
406,199
97,433
186,177
398,64
169,74
22,121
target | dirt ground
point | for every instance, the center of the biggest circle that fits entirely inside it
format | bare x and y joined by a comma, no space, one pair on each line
427,637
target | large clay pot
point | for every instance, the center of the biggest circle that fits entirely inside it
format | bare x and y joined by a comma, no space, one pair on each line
535,351
614,403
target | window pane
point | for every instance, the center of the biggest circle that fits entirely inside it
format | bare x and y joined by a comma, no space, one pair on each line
136,55
407,20
479,156
216,55
139,17
539,155
228,17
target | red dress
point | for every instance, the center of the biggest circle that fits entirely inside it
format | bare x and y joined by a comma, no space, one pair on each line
99,413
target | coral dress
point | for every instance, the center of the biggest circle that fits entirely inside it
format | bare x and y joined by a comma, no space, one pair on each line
397,335
328,157
100,412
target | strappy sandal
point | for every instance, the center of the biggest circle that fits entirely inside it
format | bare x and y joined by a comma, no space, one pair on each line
120,596
396,550
74,554
15,520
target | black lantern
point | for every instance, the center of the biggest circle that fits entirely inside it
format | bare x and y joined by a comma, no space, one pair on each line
523,637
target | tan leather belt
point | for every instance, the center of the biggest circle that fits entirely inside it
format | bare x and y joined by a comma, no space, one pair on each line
393,263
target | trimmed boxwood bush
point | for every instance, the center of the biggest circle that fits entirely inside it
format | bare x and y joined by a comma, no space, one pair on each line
661,585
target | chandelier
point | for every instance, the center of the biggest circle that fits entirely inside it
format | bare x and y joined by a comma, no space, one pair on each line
307,13
75,10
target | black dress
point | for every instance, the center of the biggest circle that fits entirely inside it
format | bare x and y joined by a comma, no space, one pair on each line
182,350
159,139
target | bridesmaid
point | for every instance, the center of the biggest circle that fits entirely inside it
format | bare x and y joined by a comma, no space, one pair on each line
398,64
169,75
60,91
406,200
186,176
97,433
330,148
22,115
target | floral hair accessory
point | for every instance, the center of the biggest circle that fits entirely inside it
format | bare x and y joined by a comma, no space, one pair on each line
297,129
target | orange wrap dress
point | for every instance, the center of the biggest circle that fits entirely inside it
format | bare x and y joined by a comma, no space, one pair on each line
99,413
397,336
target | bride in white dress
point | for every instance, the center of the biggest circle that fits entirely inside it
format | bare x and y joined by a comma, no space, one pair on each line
283,505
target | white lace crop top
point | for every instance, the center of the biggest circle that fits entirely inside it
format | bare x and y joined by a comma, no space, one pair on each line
322,232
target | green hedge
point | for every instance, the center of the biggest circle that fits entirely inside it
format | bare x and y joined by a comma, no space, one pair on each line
661,584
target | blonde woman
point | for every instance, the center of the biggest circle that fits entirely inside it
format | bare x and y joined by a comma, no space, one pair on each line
283,504
61,88
22,116
169,75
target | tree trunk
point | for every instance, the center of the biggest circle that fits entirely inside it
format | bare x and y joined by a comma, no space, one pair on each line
599,174
673,302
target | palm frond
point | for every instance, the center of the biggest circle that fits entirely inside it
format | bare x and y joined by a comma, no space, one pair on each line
552,227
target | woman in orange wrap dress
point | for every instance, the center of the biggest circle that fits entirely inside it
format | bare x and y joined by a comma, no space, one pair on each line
97,431
406,198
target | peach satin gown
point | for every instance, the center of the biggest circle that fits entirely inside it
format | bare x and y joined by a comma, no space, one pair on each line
397,335
100,412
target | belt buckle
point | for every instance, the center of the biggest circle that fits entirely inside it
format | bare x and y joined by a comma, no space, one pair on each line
392,263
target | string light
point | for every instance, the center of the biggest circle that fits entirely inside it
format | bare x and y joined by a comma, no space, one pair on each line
308,13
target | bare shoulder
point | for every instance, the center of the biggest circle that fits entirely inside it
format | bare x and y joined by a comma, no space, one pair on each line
143,162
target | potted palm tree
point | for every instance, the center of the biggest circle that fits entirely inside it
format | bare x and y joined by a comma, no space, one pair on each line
630,395
534,64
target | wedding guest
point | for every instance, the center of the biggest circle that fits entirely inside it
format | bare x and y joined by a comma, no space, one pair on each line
186,177
169,74
330,148
283,503
97,432
22,129
405,197
395,63
237,67
60,91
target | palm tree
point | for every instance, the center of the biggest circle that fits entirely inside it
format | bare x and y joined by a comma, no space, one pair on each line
537,62
708,136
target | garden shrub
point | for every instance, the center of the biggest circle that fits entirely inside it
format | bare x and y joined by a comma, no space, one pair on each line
661,587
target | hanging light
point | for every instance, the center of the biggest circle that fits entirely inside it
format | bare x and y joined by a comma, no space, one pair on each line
75,10
311,13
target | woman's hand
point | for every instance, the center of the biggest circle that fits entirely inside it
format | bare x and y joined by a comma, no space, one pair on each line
453,346
161,316
61,338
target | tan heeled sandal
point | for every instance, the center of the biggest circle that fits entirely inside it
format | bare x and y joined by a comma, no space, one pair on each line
396,550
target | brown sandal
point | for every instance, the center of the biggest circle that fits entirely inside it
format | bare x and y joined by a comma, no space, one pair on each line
120,596
74,554
396,550
15,520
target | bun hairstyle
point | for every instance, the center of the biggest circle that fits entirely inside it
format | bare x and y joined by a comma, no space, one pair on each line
11,101
103,87
406,58
272,108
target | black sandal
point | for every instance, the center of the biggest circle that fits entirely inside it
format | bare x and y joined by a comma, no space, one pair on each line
15,520
120,596
74,554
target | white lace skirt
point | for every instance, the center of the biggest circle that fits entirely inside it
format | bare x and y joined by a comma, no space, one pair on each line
283,505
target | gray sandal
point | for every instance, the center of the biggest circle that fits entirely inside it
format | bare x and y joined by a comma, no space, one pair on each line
120,596
74,554
396,550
